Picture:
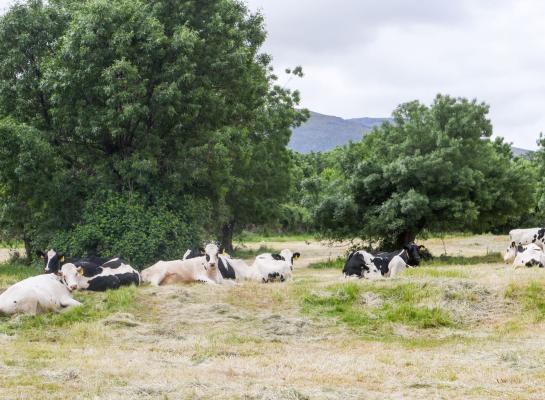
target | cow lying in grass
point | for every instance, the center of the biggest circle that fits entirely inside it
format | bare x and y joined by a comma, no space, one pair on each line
366,265
39,294
198,269
95,273
522,237
110,275
53,261
274,267
529,256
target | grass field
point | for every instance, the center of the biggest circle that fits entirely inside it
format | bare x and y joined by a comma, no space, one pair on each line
446,330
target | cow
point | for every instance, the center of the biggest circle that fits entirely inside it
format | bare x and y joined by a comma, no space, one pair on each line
389,264
521,237
529,256
392,263
284,255
198,269
274,267
39,294
234,268
110,275
360,264
230,268
193,252
53,261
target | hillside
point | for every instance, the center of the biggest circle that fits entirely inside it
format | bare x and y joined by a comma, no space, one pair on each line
324,132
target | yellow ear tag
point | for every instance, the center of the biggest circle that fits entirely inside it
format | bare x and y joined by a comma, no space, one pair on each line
296,258
81,271
62,259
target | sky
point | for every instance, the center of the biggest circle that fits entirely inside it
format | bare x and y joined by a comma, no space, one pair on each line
364,57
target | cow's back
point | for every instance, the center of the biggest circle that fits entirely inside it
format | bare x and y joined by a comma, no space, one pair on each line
34,295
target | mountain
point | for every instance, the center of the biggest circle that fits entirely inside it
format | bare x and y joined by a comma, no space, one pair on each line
324,132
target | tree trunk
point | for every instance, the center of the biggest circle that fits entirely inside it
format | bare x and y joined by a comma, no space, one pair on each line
227,237
28,248
404,238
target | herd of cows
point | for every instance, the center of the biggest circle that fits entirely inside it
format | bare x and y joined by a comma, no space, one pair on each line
52,291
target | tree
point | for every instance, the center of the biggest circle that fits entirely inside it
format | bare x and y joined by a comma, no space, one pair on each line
165,106
433,168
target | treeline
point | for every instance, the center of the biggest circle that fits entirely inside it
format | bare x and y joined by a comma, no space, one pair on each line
139,128
432,169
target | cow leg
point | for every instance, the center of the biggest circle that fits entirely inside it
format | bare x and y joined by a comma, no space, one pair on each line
205,279
69,302
157,278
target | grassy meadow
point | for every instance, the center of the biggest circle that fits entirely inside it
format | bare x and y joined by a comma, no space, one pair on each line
462,329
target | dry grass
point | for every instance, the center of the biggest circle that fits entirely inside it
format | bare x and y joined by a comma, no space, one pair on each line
253,341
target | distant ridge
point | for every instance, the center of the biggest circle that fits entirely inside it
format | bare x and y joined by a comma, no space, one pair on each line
324,132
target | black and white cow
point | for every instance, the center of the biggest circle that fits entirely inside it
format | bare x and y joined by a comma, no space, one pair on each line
110,275
54,261
360,264
389,264
230,268
529,256
521,237
284,255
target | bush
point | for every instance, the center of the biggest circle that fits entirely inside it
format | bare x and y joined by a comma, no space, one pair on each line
122,225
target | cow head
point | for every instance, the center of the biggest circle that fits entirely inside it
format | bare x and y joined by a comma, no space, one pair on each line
413,254
288,256
510,253
211,252
52,260
70,276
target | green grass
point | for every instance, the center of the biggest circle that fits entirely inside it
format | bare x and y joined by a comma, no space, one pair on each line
95,305
490,258
12,272
404,303
249,253
531,296
434,272
337,263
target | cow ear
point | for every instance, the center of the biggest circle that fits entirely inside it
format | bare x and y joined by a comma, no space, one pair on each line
296,256
80,270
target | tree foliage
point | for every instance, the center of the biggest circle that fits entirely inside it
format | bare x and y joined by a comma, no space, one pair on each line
162,107
433,168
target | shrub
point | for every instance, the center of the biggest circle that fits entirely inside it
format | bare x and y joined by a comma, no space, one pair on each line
121,225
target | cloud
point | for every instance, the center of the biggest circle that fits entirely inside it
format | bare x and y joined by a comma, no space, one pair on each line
363,58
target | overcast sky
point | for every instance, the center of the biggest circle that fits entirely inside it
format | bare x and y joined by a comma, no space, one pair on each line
364,57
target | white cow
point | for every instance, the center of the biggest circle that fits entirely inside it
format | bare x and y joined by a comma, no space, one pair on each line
39,294
284,255
521,237
529,256
198,269
235,268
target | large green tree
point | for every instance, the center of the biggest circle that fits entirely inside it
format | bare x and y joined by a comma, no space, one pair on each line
432,168
165,106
